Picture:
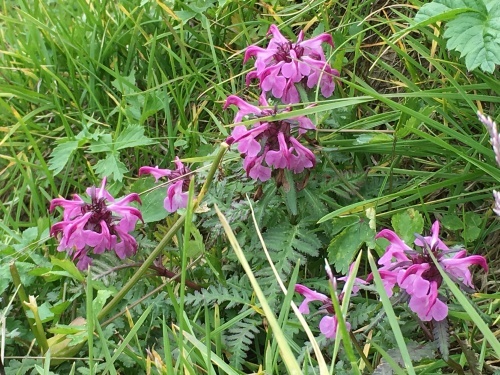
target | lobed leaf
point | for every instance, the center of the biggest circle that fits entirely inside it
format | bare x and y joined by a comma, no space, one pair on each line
60,155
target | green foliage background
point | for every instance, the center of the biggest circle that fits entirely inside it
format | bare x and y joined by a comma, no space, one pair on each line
101,88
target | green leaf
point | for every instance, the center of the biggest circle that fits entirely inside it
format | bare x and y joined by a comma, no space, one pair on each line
152,208
452,222
441,10
473,226
363,139
111,167
126,84
132,136
103,144
68,266
471,233
475,32
407,223
100,300
196,245
344,246
290,192
477,37
60,155
441,337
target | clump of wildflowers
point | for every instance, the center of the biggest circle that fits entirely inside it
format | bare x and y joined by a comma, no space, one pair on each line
270,143
283,64
96,225
177,192
414,271
328,325
495,143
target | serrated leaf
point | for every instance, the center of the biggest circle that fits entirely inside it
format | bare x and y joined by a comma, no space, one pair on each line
125,84
290,244
103,144
344,246
472,230
407,223
477,37
60,155
475,32
132,136
441,337
111,167
441,10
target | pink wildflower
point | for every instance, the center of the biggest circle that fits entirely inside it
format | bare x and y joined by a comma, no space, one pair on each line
495,144
96,226
329,323
271,144
415,272
177,192
283,64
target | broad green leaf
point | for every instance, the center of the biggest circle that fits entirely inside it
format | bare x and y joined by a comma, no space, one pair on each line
344,246
290,192
472,228
475,32
477,37
60,155
111,167
152,208
407,223
103,144
68,266
132,136
471,233
442,8
452,222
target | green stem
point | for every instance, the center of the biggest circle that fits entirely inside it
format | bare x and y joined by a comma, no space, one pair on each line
360,352
163,243
36,323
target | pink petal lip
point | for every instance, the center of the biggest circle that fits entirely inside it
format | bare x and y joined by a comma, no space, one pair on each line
155,171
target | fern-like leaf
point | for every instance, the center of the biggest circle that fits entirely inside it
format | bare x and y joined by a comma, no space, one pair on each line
232,294
442,337
290,243
239,338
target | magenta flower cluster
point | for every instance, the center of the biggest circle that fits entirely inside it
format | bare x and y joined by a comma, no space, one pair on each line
279,68
283,64
95,225
177,192
99,223
414,271
270,143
